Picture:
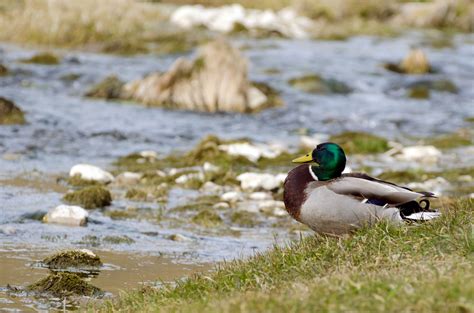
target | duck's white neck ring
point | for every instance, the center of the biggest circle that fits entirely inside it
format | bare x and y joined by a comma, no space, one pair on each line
312,173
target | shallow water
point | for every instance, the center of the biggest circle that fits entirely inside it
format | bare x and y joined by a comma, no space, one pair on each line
65,128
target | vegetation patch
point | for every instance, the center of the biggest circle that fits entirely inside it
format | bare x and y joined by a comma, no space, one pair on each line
418,92
64,284
207,218
78,259
136,194
109,88
44,58
10,113
201,203
460,138
116,240
78,181
360,143
90,197
244,218
317,84
424,268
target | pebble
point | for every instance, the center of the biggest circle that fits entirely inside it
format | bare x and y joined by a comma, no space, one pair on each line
211,187
256,181
232,196
148,154
91,172
179,237
67,215
209,167
260,195
426,154
221,205
128,178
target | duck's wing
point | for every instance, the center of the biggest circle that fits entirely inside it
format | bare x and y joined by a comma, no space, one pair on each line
376,191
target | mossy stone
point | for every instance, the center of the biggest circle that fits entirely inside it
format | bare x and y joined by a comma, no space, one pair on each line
118,240
44,58
9,113
136,194
207,218
64,284
79,259
360,143
109,88
318,85
243,218
90,197
419,92
78,181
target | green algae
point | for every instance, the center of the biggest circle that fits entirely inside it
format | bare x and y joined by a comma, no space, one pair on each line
71,77
90,197
78,181
44,58
316,84
64,284
79,259
109,88
201,203
243,218
360,143
10,114
116,240
418,92
136,194
207,218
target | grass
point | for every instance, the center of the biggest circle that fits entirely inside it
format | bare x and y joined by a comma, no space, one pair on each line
415,268
360,143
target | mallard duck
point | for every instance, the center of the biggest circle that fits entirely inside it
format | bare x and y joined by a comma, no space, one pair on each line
319,195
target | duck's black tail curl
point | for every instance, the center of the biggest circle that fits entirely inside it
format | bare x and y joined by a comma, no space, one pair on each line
417,211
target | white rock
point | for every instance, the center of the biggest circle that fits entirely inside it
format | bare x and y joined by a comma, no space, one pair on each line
179,237
221,205
436,185
91,172
253,152
428,154
187,177
310,142
67,215
256,181
211,187
224,19
88,252
248,206
209,167
260,195
128,178
8,230
232,196
262,205
149,154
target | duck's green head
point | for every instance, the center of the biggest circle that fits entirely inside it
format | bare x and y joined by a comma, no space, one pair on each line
330,160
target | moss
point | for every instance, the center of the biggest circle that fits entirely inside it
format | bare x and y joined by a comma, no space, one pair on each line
90,240
272,71
453,140
273,96
125,47
79,259
9,113
116,240
243,218
419,92
90,197
3,70
441,85
44,58
360,143
109,88
469,119
64,284
70,77
318,85
207,218
402,176
78,181
121,214
136,194
201,203
414,175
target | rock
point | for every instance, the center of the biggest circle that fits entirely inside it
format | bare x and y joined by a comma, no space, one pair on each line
128,178
416,62
208,167
310,142
221,206
318,85
232,196
207,218
232,18
109,88
10,113
82,259
259,196
422,88
183,179
426,154
148,154
44,58
257,181
211,187
90,197
64,284
215,81
67,215
248,206
179,237
270,204
250,151
436,185
3,70
91,172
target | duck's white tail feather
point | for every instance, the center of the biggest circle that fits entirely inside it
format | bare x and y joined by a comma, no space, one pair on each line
423,216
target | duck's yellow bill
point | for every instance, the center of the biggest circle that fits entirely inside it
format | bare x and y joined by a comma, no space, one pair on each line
304,159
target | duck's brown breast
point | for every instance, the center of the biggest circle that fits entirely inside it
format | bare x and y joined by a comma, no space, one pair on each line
294,187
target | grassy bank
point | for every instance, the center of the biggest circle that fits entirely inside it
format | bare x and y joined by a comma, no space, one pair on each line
417,268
